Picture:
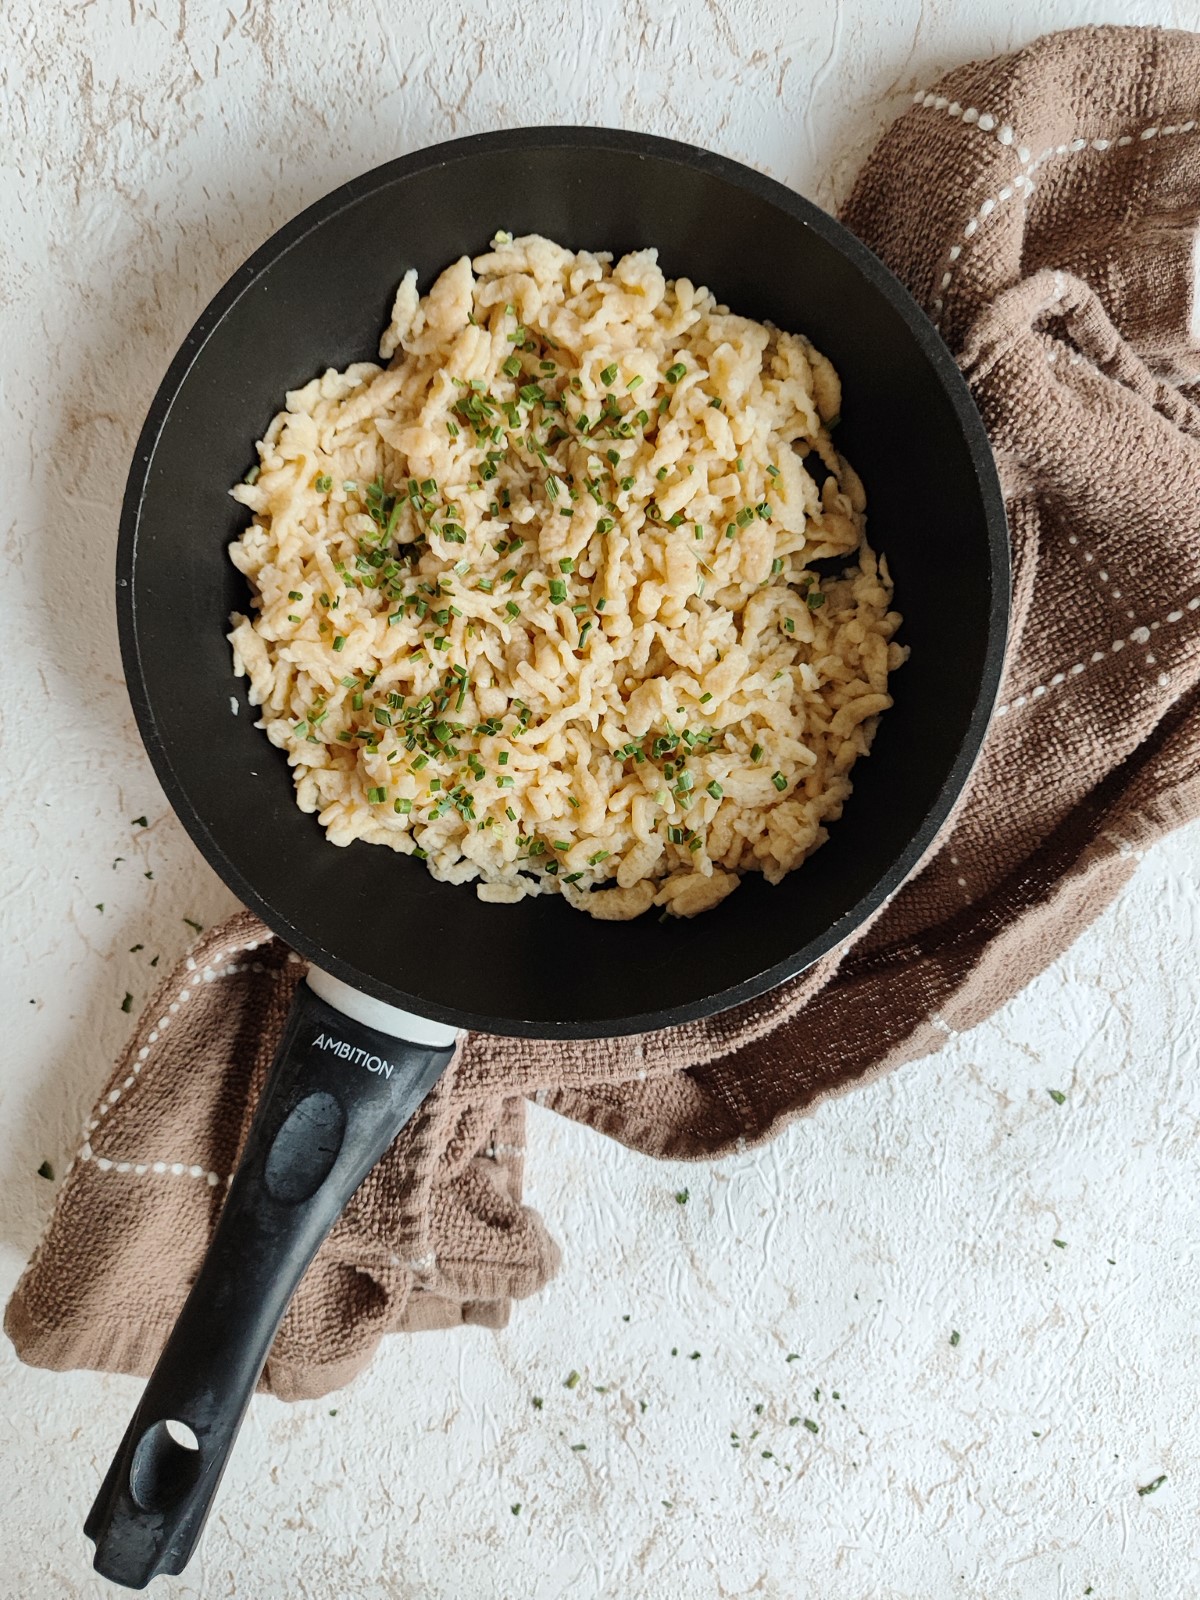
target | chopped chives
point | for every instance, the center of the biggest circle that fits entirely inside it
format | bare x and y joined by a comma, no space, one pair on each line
773,471
715,789
661,473
511,367
294,594
607,374
626,484
815,600
566,565
756,753
601,603
513,609
705,698
571,801
502,758
357,701
558,591
421,761
788,625
504,783
780,782
292,617
583,632
633,382
403,807
673,374
601,855
561,844
339,641
605,525
376,796
694,845
777,566
324,482
510,813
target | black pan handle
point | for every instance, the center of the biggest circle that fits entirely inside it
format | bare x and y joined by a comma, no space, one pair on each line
337,1095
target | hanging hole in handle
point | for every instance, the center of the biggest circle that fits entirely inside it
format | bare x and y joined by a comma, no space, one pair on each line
165,1465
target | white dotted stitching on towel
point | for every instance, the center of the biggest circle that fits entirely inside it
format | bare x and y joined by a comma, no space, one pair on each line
1021,183
496,1151
174,1169
103,1163
1139,635
1122,846
983,120
940,1022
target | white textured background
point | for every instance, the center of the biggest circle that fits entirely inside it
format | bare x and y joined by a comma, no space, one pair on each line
145,150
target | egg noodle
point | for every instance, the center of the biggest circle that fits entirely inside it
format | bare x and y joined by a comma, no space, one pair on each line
534,599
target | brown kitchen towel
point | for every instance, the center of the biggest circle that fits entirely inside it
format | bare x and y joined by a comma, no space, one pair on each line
1043,208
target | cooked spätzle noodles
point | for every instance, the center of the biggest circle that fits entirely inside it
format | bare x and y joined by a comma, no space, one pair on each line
533,600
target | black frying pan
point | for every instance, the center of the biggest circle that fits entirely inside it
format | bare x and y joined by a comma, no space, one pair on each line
382,934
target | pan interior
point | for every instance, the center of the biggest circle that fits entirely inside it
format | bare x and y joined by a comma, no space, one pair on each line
317,296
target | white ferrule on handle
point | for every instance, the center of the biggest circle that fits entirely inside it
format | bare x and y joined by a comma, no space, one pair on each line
378,1014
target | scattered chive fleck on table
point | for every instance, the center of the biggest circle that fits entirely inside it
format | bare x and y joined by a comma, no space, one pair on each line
811,1425
1153,1488
1060,1244
571,1379
1057,1096
682,1196
139,822
127,1002
46,1171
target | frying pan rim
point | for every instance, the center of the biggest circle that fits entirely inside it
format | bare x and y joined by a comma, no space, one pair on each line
759,186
